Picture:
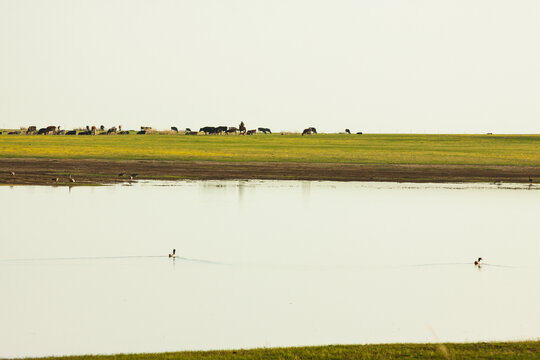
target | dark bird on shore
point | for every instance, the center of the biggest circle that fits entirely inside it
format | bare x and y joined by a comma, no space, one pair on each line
478,262
121,174
173,253
55,179
12,173
71,179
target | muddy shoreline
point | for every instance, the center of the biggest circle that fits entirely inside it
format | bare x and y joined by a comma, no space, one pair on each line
34,171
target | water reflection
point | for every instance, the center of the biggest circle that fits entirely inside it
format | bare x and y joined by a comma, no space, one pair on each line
264,263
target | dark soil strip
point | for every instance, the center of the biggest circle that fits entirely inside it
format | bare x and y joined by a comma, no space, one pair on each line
33,171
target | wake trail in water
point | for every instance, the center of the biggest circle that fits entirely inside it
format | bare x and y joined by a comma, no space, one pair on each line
465,263
112,258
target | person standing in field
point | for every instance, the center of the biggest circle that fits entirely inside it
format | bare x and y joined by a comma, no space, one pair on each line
242,128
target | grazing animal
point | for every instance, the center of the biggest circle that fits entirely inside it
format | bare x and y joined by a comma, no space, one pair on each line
14,133
12,173
221,129
264,130
208,130
313,130
123,132
102,128
142,132
251,132
188,129
307,132
31,130
111,131
359,133
348,131
50,130
173,253
84,133
478,262
93,131
191,132
174,128
231,130
71,132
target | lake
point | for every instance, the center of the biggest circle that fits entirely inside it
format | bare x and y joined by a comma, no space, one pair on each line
264,264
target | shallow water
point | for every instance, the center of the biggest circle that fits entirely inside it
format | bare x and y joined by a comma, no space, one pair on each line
264,263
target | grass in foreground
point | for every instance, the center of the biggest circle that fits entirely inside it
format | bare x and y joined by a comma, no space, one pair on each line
509,350
521,150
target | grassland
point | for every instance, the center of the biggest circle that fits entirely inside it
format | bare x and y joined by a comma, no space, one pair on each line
474,351
515,150
378,157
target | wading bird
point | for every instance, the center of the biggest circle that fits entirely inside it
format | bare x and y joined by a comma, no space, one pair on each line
12,173
477,262
173,253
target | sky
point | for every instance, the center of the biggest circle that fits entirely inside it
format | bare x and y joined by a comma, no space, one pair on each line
391,66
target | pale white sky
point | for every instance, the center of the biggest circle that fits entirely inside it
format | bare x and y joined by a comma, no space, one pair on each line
372,66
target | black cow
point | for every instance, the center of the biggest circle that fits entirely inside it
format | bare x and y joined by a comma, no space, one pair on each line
142,132
208,130
71,132
190,132
221,129
123,132
347,131
42,131
88,132
174,128
359,133
231,130
251,132
264,130
14,133
313,130
307,131
31,130
111,131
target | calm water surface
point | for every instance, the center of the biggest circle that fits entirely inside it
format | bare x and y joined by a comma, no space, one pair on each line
85,271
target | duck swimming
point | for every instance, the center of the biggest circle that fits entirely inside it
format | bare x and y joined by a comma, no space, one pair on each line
477,262
173,253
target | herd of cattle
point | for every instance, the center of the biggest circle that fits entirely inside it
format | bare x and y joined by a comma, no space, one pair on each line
207,130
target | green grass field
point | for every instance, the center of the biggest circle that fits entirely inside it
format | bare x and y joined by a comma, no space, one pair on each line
327,148
492,351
